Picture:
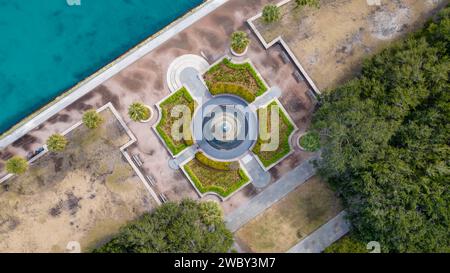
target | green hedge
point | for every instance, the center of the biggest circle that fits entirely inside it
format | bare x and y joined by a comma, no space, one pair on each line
175,149
218,165
284,141
214,188
229,88
244,66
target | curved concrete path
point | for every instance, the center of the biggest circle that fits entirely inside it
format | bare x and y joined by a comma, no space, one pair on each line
180,64
260,177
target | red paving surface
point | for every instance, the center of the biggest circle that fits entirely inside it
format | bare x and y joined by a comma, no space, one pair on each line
145,81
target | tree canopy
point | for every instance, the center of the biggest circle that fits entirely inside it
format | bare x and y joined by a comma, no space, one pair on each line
188,227
386,148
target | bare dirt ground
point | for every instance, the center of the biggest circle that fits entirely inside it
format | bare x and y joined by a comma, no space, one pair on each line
294,217
331,42
84,194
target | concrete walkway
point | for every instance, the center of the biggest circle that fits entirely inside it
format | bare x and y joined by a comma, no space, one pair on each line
271,195
111,70
190,77
273,93
181,158
260,177
324,236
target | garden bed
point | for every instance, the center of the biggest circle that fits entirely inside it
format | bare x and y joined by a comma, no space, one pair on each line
286,129
223,178
164,127
238,79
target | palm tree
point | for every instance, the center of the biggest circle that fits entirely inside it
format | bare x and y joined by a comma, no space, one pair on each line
16,165
239,41
56,143
92,119
138,112
271,13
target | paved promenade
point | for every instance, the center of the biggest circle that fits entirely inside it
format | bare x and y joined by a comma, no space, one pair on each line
271,195
324,236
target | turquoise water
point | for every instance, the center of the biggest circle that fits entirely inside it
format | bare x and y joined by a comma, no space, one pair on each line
47,46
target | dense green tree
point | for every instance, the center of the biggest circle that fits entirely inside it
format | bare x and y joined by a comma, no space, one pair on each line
188,227
92,119
16,165
386,148
271,13
56,143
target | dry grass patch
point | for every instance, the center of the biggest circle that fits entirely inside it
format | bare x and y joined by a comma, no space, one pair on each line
84,194
331,42
294,217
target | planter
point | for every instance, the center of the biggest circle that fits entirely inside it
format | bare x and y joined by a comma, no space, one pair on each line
151,115
298,142
239,54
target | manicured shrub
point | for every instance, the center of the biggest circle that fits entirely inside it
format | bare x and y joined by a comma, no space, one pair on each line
218,165
56,143
271,13
92,119
239,41
16,165
310,3
138,112
310,141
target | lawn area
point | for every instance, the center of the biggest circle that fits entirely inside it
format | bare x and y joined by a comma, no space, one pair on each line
286,128
238,79
294,217
347,244
83,194
332,42
164,127
223,178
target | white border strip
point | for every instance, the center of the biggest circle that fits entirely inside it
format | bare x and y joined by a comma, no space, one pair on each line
130,134
112,69
280,40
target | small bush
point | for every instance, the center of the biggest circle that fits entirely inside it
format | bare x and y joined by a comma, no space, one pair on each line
271,13
16,165
92,119
310,142
310,3
223,166
56,143
239,41
138,112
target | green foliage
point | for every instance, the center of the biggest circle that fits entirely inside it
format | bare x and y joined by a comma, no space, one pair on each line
188,227
218,165
57,143
271,13
387,150
347,244
286,129
223,178
239,41
92,119
310,142
138,112
16,165
233,89
164,127
309,3
241,80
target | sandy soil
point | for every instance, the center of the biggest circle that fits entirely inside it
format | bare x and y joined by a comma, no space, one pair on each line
80,195
294,217
331,42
